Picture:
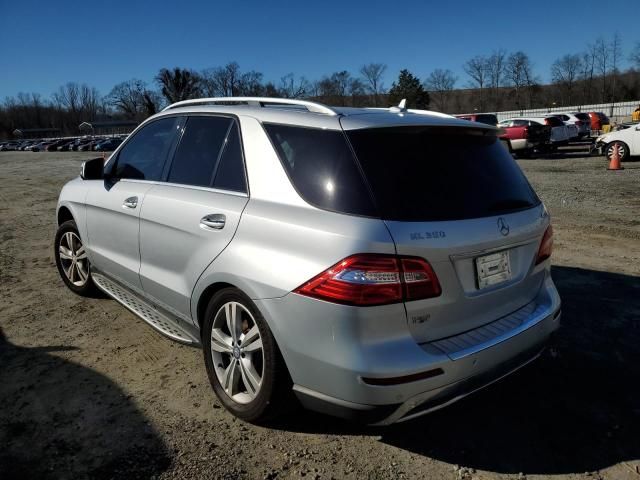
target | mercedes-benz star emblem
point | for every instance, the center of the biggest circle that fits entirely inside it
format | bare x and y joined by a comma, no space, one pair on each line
503,227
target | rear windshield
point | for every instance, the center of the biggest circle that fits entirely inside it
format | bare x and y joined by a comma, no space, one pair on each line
554,121
582,116
488,119
428,173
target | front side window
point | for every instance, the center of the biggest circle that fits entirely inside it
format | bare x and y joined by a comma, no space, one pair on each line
197,154
143,156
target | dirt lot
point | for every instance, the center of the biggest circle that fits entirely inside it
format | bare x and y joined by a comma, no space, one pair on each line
89,391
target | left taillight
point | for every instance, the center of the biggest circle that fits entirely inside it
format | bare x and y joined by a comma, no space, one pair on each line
546,246
374,279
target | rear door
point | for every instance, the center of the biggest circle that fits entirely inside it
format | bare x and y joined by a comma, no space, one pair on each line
187,221
458,200
113,205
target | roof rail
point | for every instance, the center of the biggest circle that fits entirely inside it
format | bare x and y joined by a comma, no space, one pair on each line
256,102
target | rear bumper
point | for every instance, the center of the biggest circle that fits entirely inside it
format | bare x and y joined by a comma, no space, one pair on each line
333,366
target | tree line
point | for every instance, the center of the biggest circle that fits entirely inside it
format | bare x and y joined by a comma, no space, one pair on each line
497,81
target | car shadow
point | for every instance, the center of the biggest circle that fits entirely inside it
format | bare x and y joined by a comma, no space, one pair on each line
576,409
62,420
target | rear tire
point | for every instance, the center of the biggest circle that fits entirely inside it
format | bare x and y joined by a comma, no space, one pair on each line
244,365
72,261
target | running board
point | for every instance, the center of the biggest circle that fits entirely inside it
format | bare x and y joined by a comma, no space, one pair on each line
146,311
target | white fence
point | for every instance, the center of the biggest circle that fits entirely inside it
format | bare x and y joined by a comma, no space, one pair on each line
617,112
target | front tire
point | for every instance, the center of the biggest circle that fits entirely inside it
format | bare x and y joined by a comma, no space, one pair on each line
623,151
72,261
243,362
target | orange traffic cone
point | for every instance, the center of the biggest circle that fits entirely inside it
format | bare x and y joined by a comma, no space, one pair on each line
614,164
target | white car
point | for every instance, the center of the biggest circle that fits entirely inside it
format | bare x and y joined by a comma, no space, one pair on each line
580,119
626,142
560,133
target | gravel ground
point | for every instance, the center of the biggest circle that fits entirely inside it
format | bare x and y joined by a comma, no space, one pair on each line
87,390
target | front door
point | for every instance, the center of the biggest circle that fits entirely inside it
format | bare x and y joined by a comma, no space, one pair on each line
114,204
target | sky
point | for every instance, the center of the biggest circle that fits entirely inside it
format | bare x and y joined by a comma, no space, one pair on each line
45,44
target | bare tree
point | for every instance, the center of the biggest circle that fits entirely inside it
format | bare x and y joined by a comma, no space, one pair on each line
476,68
589,65
68,97
372,75
128,97
89,102
566,71
616,52
290,87
634,56
178,84
440,84
602,58
495,69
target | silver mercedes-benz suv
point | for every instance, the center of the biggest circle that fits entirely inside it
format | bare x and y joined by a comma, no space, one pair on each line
378,263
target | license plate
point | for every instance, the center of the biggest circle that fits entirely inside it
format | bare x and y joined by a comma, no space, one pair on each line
493,269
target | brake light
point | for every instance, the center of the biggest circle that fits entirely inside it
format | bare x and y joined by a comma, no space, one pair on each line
374,279
546,246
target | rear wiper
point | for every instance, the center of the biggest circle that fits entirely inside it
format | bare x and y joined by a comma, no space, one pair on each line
510,204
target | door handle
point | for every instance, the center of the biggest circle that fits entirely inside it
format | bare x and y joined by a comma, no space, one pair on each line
131,202
215,221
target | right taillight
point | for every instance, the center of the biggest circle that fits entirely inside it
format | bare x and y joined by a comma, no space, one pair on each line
546,246
373,279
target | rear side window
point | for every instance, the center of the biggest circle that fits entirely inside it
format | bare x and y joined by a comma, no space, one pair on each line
431,173
143,156
322,168
195,159
230,172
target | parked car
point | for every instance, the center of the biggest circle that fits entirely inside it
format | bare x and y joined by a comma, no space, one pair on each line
583,127
53,147
560,134
523,137
488,118
586,122
8,147
108,145
598,120
626,142
66,146
287,244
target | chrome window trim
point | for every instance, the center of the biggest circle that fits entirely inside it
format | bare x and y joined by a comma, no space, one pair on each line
189,187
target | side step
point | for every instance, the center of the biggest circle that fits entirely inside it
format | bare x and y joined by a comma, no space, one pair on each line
146,311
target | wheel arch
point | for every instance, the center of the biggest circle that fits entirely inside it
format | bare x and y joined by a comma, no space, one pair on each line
206,295
64,215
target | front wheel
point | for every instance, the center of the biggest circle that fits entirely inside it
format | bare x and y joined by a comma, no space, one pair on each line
244,365
621,148
72,261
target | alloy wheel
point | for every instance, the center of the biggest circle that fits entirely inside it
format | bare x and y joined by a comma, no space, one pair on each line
237,353
73,259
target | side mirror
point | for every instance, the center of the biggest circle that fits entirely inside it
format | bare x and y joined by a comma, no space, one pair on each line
92,169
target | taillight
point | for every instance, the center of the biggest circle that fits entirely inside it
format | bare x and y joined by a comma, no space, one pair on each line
373,279
546,246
